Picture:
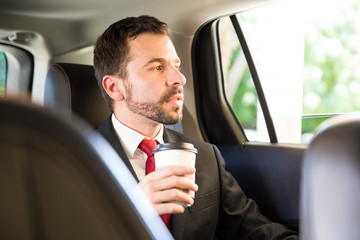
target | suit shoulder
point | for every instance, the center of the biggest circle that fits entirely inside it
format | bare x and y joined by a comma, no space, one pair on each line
180,137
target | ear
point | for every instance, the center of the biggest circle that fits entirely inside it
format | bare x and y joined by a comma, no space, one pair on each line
111,84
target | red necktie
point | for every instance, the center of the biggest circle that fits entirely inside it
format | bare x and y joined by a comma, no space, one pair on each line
147,146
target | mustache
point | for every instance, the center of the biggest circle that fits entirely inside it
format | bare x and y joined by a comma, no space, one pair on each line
175,90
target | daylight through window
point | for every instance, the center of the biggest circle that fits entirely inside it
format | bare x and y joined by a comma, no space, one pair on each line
308,64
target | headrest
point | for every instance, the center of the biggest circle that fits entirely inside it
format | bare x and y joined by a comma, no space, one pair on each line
73,88
330,193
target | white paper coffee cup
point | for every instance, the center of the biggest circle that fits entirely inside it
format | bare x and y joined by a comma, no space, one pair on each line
168,154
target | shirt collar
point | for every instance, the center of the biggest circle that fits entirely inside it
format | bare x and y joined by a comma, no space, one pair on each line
130,139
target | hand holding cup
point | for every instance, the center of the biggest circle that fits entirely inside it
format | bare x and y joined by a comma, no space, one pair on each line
176,154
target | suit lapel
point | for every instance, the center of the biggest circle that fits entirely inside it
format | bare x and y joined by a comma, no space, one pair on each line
108,132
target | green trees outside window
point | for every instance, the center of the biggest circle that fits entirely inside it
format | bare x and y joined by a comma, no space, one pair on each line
3,71
327,54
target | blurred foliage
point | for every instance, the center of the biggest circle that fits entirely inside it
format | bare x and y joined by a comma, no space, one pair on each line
245,99
331,65
3,70
310,123
331,69
244,102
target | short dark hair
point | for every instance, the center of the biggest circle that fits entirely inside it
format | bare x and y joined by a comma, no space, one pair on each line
111,50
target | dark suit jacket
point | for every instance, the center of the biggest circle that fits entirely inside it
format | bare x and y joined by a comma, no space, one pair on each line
220,210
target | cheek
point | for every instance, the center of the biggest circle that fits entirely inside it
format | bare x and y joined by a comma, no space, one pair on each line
150,90
147,88
146,92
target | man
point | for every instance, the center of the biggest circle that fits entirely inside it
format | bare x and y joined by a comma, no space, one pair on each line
138,71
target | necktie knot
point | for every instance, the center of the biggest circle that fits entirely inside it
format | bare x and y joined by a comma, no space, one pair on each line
148,146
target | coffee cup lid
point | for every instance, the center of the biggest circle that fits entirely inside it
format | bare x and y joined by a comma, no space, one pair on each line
175,145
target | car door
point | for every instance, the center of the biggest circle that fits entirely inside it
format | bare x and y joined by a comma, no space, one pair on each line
268,170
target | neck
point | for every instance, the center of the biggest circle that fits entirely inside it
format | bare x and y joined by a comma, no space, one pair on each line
140,124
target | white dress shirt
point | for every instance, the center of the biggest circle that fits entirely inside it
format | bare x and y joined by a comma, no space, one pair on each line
130,140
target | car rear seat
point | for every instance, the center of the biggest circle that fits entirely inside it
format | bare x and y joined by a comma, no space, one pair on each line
72,88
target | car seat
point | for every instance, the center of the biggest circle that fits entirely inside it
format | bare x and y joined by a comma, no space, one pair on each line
64,181
330,194
73,88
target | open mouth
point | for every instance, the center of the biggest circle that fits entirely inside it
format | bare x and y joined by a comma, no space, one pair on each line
176,99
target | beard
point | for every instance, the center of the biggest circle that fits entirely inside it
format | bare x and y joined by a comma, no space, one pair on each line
155,110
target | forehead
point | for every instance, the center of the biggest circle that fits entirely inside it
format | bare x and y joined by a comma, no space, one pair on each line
149,46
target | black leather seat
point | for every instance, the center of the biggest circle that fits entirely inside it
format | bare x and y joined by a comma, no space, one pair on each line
331,183
72,88
64,181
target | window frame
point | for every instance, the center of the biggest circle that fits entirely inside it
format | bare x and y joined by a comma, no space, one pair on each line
255,77
20,65
218,123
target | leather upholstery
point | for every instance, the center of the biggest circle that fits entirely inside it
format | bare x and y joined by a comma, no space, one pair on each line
64,181
330,193
73,88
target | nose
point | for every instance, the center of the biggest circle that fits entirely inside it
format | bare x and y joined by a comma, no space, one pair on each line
175,77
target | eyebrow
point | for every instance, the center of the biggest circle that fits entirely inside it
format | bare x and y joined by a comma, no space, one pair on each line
160,60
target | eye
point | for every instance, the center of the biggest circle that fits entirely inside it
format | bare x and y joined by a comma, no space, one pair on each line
159,68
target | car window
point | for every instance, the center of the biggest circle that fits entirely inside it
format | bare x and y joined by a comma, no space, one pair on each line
16,71
308,65
3,69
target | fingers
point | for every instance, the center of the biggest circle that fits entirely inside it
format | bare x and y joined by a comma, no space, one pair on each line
171,195
171,201
167,185
160,184
169,208
169,177
178,170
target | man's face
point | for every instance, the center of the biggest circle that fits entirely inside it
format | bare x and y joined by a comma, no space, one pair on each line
154,87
